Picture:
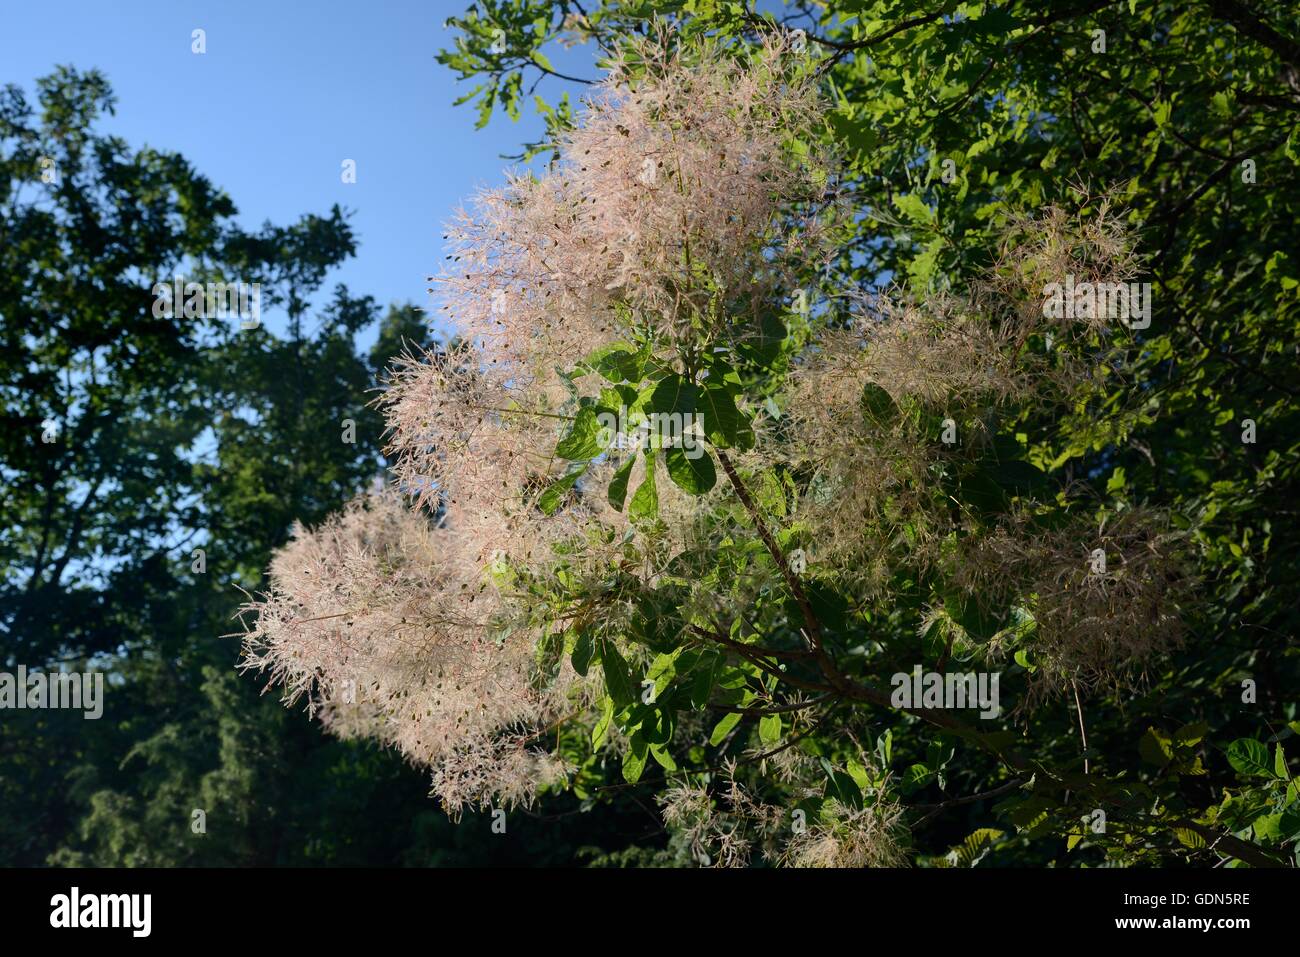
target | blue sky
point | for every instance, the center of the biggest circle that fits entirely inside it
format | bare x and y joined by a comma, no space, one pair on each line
284,94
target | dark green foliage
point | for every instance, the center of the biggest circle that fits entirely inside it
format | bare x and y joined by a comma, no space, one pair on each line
950,118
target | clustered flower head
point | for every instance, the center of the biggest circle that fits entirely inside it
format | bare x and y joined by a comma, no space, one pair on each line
1092,246
860,401
850,837
472,446
383,624
894,412
1103,596
673,195
725,826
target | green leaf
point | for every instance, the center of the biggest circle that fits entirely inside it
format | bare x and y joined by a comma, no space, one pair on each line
938,753
623,365
618,678
1191,734
916,776
696,475
1279,763
769,729
702,685
612,399
583,651
885,747
972,850
645,501
602,726
723,422
922,267
551,499
764,348
633,765
660,754
914,208
877,404
858,773
617,493
674,394
723,728
840,786
1249,757
1155,748
1289,825
1268,827
583,438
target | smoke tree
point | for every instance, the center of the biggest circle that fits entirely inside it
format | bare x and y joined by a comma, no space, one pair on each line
553,592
